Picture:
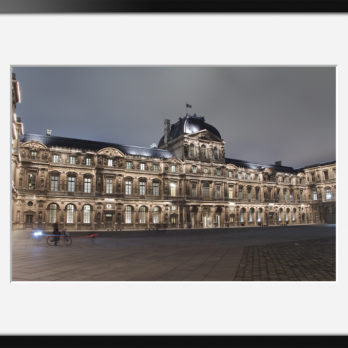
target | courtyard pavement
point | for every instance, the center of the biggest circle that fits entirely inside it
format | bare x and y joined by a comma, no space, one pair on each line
236,254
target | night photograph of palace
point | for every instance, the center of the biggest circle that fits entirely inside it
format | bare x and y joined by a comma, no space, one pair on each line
187,206
186,181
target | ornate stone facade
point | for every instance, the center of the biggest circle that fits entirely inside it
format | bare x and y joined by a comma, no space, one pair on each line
188,182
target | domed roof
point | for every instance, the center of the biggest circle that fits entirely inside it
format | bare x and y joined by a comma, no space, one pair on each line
188,125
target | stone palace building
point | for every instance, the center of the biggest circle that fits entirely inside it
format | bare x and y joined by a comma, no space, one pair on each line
187,182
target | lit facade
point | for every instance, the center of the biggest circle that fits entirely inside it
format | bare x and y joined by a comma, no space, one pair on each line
187,182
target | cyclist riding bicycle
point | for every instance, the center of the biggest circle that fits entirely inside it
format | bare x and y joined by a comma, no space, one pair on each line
56,232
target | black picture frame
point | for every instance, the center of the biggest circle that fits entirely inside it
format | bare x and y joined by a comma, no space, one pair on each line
172,6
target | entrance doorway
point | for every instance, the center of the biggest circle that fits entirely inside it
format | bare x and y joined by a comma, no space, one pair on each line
108,220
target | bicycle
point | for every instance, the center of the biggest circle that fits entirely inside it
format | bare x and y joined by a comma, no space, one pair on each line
55,239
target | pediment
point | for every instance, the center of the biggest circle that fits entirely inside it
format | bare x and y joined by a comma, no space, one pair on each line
110,152
205,135
34,145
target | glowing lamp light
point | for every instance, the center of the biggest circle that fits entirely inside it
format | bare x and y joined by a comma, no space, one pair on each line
37,233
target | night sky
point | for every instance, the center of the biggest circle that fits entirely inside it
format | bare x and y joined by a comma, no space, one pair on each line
264,114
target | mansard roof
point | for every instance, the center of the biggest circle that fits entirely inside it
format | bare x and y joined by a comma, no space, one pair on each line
250,165
318,165
53,141
188,125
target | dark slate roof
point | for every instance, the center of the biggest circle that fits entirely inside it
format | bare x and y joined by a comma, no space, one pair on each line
188,125
245,164
53,141
317,165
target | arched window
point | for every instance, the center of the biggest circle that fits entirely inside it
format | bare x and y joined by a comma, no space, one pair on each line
87,214
142,215
280,215
156,215
70,214
287,215
128,214
242,212
293,217
259,215
53,213
251,212
216,153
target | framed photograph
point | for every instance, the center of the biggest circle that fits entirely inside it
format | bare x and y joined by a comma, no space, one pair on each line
187,50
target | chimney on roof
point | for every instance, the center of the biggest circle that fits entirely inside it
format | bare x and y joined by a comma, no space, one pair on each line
278,163
166,131
48,132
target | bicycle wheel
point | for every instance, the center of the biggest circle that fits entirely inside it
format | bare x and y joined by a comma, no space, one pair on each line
67,240
51,240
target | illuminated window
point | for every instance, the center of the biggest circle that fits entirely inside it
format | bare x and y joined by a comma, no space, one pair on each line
88,161
194,169
328,194
142,188
173,189
87,214
257,193
128,187
110,162
142,215
87,185
155,167
284,194
71,184
315,196
230,192
128,214
33,154
129,165
31,181
248,176
155,215
53,213
70,214
250,215
55,158
155,188
172,168
142,166
230,174
108,188
54,183
72,160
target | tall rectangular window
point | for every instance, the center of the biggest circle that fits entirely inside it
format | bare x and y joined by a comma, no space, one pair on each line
218,171
142,166
70,214
249,193
87,185
54,183
240,192
72,160
230,174
55,158
230,192
194,190
284,195
315,196
328,194
218,191
87,214
155,167
194,170
291,196
110,162
88,161
71,184
172,168
206,190
334,172
239,176
248,176
155,188
301,194
108,186
128,187
142,188
129,165
173,189
128,214
326,175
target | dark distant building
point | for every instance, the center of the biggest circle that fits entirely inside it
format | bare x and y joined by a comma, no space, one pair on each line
186,182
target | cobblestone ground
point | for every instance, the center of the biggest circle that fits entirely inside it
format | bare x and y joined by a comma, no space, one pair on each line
297,260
